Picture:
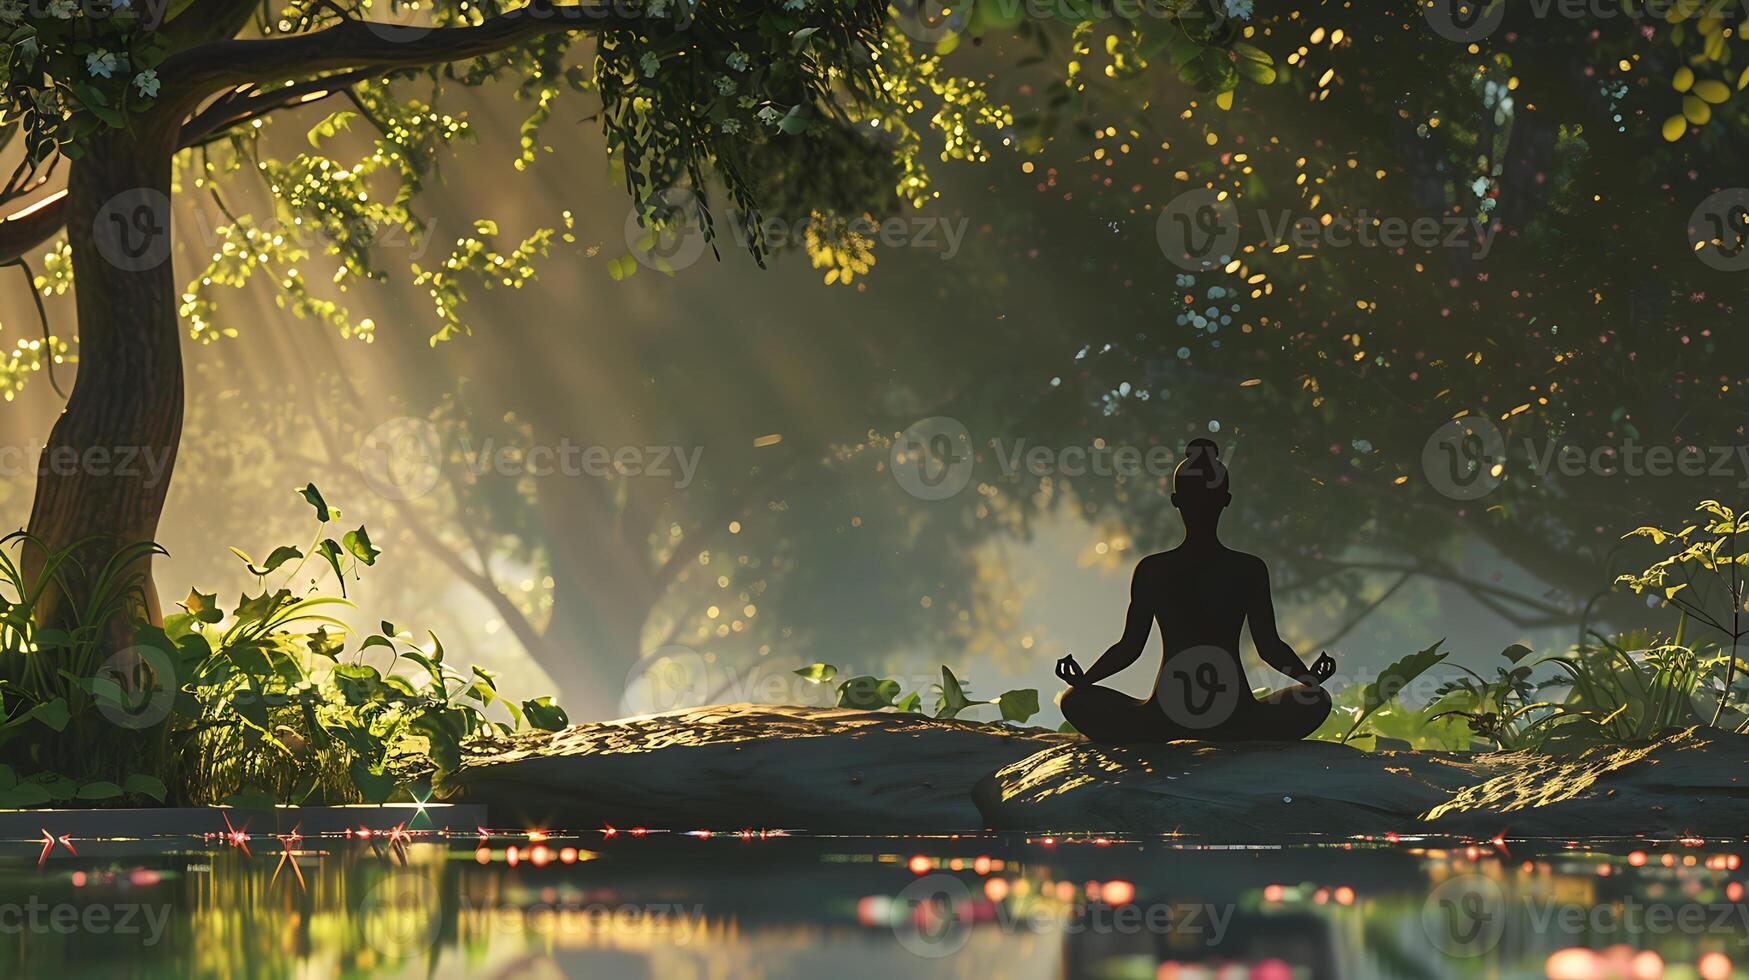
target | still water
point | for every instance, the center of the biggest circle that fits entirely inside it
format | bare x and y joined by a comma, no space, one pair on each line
627,904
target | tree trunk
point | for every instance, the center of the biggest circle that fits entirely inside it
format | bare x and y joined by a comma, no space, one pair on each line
603,591
106,469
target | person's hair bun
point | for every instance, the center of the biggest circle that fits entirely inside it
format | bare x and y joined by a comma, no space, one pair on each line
1202,447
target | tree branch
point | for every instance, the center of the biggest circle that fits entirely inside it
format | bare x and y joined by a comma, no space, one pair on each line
31,226
201,70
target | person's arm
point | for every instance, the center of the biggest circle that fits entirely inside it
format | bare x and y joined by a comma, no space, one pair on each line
1274,650
1138,623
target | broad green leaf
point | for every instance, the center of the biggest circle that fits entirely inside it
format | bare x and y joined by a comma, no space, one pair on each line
358,542
818,673
1018,705
868,693
23,795
1254,63
145,785
52,713
374,786
542,713
203,606
280,556
99,790
1392,680
324,513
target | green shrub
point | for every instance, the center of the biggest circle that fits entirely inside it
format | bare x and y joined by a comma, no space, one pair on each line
258,704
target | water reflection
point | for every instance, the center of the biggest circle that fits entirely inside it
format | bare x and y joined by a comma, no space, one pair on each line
645,904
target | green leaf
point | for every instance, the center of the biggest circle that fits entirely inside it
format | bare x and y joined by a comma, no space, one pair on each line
330,126
1254,63
1516,652
280,556
358,542
818,673
373,786
331,552
1018,705
911,703
953,696
52,639
326,643
23,795
867,693
543,714
203,606
324,513
358,683
52,713
145,785
99,790
800,38
58,787
1392,681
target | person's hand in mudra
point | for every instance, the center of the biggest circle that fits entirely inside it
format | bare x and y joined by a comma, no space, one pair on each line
1069,672
1322,670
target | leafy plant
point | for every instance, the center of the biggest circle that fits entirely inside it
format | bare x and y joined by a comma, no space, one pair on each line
56,684
254,705
1391,682
1705,566
869,693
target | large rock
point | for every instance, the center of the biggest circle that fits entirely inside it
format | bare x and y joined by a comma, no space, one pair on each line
1693,782
1258,790
1686,783
837,771
748,766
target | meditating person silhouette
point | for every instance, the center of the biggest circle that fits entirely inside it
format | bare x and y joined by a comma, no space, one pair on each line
1200,592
